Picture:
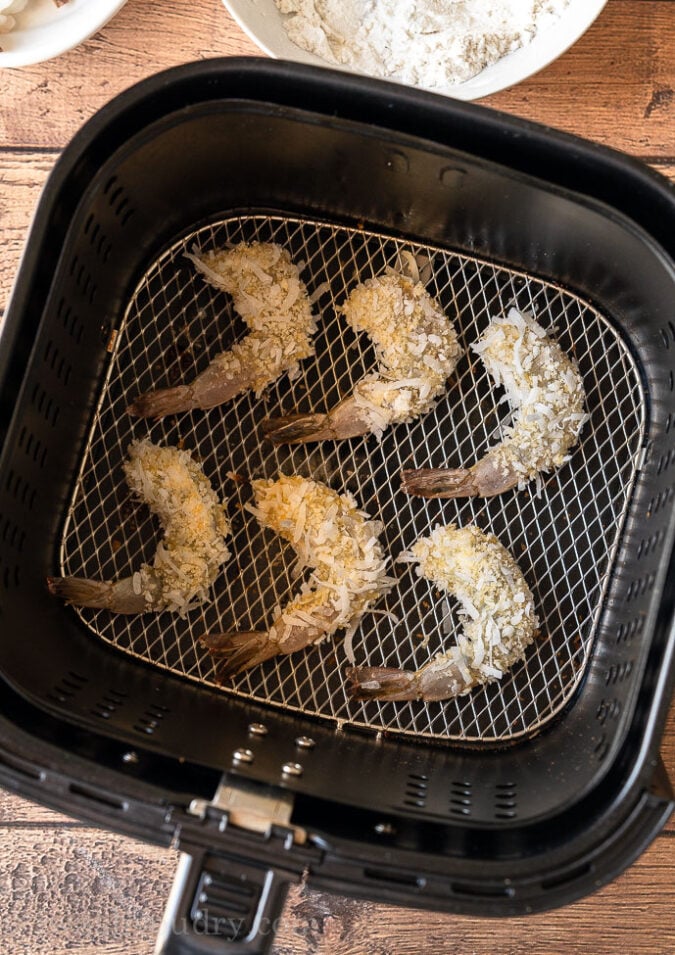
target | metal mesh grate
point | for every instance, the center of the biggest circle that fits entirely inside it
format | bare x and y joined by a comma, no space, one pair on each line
564,540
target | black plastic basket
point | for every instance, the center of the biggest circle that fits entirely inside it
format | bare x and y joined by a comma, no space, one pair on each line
258,794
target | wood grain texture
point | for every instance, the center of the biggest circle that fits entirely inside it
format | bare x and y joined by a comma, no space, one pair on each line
21,179
84,891
616,85
66,890
15,811
45,104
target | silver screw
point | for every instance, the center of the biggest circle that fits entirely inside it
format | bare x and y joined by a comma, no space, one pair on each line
257,729
242,756
130,757
292,769
305,742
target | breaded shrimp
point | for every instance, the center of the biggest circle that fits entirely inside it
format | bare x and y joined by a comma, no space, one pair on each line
270,296
416,348
546,394
499,611
193,549
339,542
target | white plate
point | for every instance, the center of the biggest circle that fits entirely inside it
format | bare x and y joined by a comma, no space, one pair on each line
263,23
44,30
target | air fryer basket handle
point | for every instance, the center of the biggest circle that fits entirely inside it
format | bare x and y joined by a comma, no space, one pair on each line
220,905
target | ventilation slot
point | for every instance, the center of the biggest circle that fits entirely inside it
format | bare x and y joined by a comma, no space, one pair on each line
483,891
20,490
396,878
664,462
505,801
150,721
626,632
45,405
67,688
108,704
119,200
640,587
93,796
19,767
668,335
12,536
650,544
460,799
571,876
53,359
224,907
607,710
83,279
660,501
618,672
10,576
416,791
69,320
35,450
601,748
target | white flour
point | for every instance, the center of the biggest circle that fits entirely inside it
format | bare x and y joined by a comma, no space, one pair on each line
429,43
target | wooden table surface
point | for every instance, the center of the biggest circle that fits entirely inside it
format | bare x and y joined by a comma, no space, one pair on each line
65,887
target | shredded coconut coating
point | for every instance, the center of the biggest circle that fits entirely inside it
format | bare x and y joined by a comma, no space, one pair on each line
544,387
495,600
272,299
331,535
193,549
415,344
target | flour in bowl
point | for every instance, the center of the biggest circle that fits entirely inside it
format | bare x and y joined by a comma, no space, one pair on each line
433,44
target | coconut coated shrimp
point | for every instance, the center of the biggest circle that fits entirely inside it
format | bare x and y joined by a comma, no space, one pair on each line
546,393
269,295
500,619
334,538
416,348
189,557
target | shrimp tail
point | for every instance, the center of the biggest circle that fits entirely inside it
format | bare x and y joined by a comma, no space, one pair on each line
439,482
441,679
213,387
163,401
236,651
485,479
346,420
100,594
298,428
381,683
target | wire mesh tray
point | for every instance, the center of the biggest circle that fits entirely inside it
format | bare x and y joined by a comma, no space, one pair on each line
564,537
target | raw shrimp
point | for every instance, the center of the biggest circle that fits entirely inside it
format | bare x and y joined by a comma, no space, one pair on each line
334,538
546,394
416,348
499,611
270,296
192,552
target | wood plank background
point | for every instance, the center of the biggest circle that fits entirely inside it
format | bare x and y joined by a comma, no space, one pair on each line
67,888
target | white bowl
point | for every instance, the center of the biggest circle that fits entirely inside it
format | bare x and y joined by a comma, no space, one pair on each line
44,30
261,20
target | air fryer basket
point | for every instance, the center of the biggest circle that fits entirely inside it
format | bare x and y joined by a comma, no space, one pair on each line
121,719
565,533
